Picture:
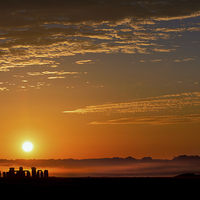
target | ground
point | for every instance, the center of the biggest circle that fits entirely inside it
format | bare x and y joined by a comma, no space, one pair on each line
96,187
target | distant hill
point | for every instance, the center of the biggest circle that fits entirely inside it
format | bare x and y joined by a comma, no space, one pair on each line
187,158
188,175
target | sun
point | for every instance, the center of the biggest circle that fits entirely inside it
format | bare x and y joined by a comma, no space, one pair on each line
27,146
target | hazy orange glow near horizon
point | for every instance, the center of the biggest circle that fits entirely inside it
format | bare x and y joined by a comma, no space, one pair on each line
97,79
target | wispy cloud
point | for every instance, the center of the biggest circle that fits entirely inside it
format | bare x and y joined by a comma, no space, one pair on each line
152,104
184,60
188,59
81,62
56,77
8,62
163,50
156,60
154,120
52,72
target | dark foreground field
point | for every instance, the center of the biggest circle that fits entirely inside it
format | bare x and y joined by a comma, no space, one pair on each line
96,187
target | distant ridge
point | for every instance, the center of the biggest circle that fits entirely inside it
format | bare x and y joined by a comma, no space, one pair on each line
46,162
186,158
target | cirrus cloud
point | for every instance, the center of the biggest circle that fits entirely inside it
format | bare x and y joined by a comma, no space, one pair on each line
151,104
153,120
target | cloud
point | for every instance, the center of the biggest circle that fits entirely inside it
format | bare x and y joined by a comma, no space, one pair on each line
35,33
184,60
152,104
170,29
188,59
163,50
154,120
52,72
156,60
193,29
177,60
56,77
8,62
29,28
180,17
35,12
4,89
81,62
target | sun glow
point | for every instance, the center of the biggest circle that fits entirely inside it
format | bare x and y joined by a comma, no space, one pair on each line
27,146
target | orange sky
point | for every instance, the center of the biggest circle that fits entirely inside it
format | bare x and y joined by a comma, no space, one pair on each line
93,85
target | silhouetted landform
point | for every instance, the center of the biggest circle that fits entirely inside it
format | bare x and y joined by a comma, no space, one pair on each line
187,158
12,173
188,175
112,167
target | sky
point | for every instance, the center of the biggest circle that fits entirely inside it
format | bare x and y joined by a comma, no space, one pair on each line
99,79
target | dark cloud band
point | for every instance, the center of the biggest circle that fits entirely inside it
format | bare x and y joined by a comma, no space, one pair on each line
25,13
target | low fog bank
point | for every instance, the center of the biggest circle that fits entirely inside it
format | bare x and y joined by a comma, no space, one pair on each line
112,167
